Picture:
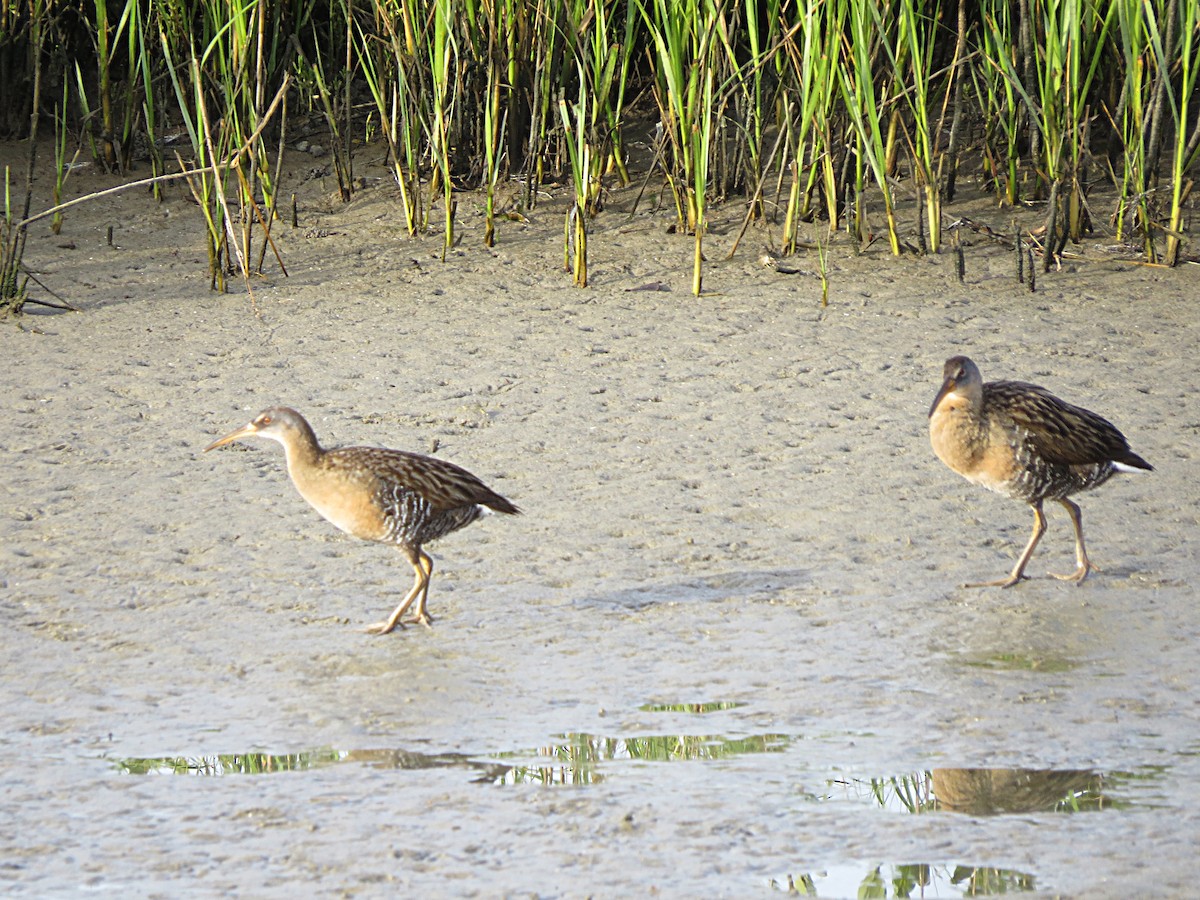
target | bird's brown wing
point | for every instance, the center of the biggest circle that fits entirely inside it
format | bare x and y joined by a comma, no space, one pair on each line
442,484
1060,432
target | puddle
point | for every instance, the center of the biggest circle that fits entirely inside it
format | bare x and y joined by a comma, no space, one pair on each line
228,763
581,757
984,792
1018,662
270,763
695,708
578,759
914,880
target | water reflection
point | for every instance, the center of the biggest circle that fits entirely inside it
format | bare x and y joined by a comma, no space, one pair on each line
982,791
992,791
917,879
973,791
580,757
696,708
268,763
228,763
577,758
1019,662
906,793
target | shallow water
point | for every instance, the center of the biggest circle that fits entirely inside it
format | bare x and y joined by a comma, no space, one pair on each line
589,760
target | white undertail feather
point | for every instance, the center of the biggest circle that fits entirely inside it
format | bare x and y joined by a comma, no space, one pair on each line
1121,467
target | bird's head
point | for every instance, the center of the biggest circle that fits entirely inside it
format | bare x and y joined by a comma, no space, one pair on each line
279,423
962,385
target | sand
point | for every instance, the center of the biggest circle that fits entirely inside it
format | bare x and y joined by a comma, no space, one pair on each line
728,500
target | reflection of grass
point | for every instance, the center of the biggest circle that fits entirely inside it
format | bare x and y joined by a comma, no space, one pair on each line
913,880
1018,662
714,706
229,763
1119,784
984,791
909,793
978,881
1086,799
576,760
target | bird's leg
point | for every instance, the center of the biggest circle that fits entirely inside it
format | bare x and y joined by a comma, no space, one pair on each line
422,617
1039,528
1082,564
420,585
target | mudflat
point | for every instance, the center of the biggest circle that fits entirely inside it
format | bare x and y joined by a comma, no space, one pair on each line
721,645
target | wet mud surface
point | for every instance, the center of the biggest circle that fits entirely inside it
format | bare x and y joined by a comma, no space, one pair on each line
724,651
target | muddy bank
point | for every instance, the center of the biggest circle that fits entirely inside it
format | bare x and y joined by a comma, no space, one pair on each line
728,501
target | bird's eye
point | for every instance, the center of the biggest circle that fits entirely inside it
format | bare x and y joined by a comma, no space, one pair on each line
265,420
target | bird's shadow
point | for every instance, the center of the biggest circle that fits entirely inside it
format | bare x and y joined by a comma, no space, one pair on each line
746,586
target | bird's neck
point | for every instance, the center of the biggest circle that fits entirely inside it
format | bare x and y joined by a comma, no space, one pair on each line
302,451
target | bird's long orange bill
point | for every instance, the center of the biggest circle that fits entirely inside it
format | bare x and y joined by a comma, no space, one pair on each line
948,387
244,431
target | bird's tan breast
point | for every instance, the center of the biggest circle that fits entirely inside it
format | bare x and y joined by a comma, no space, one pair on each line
344,496
982,451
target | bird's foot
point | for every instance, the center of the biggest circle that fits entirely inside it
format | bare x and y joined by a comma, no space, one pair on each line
421,619
1000,582
1078,575
383,627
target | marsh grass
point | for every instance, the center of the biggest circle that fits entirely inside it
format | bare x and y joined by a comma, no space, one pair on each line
839,106
1183,24
865,98
394,79
579,152
1132,213
14,230
911,57
997,85
12,239
684,42
62,166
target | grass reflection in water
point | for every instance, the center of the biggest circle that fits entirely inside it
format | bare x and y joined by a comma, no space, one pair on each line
229,763
579,758
907,880
983,791
576,760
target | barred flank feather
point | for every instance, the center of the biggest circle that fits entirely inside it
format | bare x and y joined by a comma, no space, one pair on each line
1061,432
441,484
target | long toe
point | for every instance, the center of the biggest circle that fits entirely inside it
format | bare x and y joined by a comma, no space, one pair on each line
1077,576
422,619
383,627
1000,582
